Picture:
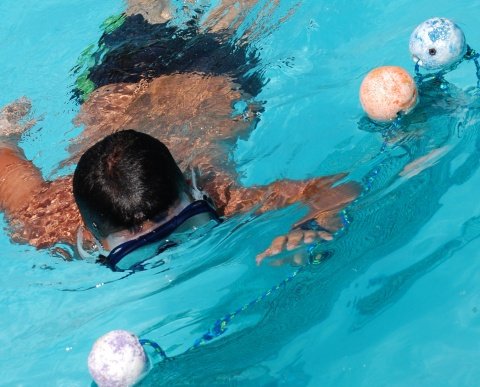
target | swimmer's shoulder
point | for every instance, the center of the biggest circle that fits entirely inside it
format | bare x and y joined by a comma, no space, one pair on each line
51,216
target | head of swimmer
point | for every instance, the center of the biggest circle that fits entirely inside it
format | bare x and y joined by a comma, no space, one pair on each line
124,181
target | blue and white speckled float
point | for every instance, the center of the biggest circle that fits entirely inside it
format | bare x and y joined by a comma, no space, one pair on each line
117,359
437,43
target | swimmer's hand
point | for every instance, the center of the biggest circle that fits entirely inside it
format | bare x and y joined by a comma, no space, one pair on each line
291,241
14,120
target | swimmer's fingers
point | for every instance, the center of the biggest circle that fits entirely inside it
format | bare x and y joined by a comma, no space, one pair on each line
16,110
278,244
275,248
295,259
294,238
309,236
14,119
298,237
290,242
325,235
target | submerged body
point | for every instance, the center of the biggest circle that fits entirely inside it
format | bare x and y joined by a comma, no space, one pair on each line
43,213
191,112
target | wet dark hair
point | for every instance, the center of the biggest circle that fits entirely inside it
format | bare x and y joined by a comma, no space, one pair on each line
125,179
139,50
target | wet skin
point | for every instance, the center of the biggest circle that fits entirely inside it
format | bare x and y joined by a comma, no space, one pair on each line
192,114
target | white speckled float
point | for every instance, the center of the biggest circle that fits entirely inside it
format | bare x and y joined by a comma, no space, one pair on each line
437,43
117,359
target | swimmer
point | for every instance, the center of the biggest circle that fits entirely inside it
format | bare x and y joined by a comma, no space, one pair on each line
186,111
130,191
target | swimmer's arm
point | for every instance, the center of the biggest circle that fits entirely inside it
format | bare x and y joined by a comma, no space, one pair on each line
323,199
19,178
41,213
324,202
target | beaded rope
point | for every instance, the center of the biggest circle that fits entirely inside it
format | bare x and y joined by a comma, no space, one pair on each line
471,54
221,325
155,346
389,133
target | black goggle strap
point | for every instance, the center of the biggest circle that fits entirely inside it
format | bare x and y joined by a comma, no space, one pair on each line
161,232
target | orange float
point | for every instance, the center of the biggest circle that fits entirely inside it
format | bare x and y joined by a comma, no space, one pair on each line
387,91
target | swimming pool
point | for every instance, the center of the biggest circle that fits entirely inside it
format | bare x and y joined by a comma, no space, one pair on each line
397,302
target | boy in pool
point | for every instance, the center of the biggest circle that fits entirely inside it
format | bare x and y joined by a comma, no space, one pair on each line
128,185
166,99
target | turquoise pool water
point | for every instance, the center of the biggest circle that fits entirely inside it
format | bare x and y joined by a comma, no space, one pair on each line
397,302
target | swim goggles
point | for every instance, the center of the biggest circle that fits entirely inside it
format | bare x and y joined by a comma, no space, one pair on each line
131,255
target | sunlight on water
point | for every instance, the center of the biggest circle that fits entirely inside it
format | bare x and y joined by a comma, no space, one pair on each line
393,302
